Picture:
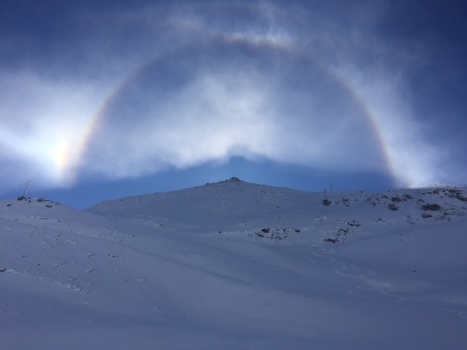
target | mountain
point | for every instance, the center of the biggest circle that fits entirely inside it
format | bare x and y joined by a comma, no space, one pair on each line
235,265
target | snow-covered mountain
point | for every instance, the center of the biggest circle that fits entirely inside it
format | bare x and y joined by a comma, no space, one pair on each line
235,265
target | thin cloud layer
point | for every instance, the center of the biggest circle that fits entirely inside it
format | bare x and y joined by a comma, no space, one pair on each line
241,103
132,90
41,124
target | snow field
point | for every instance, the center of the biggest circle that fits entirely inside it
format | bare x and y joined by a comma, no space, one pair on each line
238,266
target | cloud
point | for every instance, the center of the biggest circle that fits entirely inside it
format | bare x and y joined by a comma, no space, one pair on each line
227,99
206,119
149,87
412,158
41,121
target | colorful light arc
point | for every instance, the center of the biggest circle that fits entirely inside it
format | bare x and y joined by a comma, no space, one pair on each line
99,116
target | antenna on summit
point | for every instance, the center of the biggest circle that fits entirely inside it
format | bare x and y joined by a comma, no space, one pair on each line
26,188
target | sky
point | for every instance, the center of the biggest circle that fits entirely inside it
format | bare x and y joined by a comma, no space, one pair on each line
105,99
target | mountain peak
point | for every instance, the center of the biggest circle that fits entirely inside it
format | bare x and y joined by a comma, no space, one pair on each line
232,180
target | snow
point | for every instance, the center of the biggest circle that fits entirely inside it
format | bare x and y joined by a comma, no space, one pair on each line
235,265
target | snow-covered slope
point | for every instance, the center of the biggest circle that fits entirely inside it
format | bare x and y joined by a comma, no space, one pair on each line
235,265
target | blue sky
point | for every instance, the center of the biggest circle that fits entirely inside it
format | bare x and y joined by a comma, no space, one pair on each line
106,99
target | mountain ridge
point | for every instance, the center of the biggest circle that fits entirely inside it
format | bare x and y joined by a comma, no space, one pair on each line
231,201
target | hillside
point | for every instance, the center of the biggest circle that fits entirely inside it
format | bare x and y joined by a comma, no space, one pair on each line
235,265
235,206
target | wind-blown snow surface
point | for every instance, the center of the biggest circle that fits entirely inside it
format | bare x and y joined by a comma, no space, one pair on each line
235,265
